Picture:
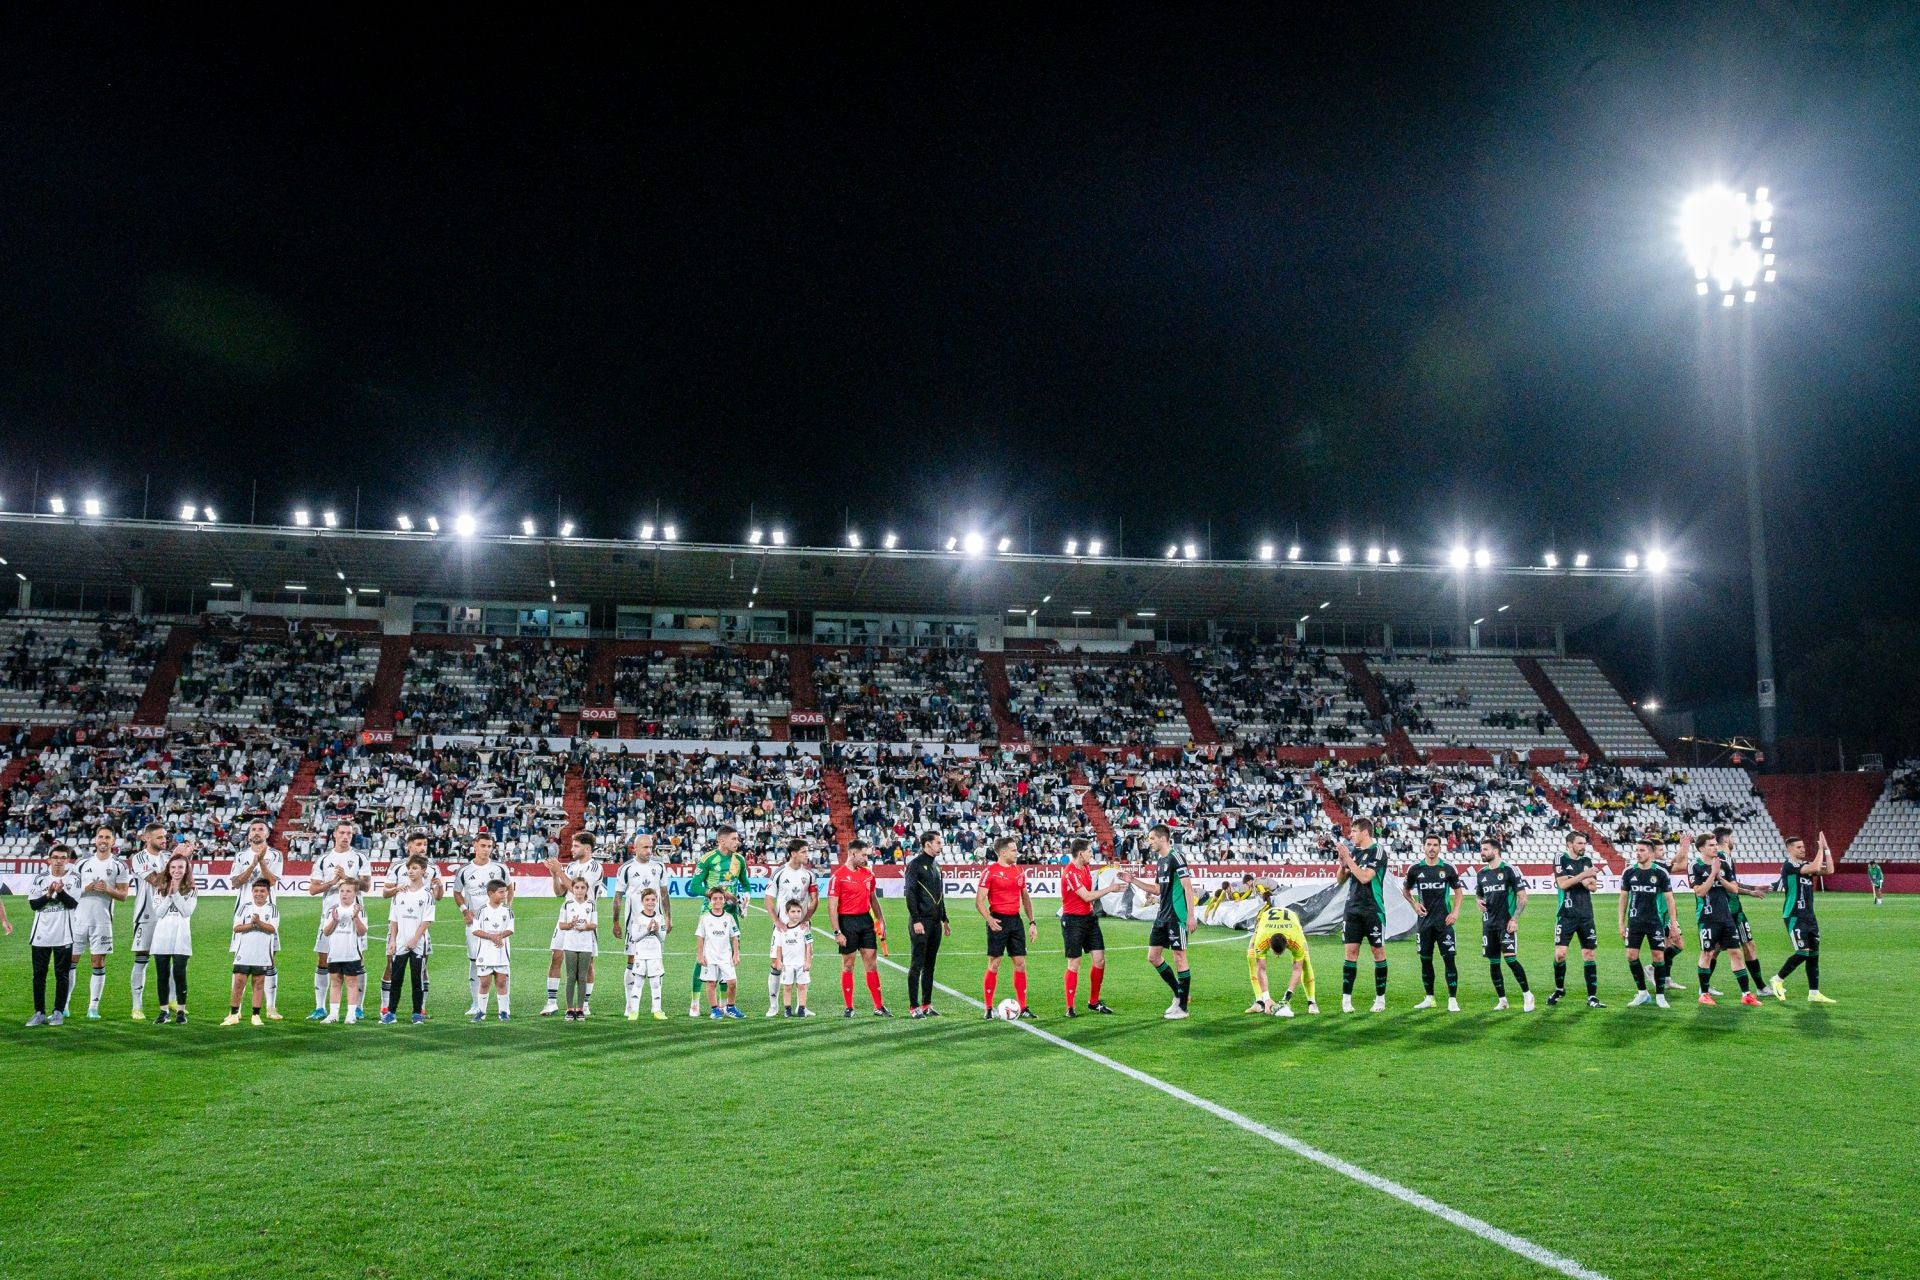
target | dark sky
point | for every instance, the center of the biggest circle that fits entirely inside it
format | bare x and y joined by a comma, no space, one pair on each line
1411,271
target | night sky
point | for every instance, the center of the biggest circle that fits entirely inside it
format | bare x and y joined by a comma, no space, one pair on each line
1408,275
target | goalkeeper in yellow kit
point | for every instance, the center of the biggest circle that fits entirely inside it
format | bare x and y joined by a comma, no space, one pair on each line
1276,930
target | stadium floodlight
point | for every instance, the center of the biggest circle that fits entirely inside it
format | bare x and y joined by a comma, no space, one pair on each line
219,585
91,506
1373,555
303,517
646,531
57,505
296,586
189,511
1459,557
210,516
670,532
1191,550
1266,551
1083,613
1478,621
1093,548
330,519
754,537
891,541
1393,555
1173,552
1293,552
465,525
1073,546
1145,613
973,544
1657,561
1632,560
340,574
853,539
405,522
528,528
1581,560
566,529
755,591
953,544
1728,238
1344,554
1551,560
1651,704
778,537
1325,603
1006,545
1482,558
433,524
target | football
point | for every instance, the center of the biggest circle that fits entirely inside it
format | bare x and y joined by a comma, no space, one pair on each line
1007,1010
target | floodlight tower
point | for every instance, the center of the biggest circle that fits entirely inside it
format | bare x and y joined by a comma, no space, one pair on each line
1729,240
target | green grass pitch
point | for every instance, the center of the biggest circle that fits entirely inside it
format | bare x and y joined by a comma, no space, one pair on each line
1696,1142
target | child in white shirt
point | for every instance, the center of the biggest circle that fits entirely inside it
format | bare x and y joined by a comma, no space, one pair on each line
492,926
345,931
717,948
408,944
793,960
645,932
256,930
579,940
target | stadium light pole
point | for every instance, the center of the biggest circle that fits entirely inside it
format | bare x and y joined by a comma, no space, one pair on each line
1729,241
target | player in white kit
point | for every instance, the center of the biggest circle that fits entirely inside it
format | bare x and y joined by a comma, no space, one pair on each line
582,865
104,884
640,875
258,862
791,881
149,860
646,932
341,864
470,891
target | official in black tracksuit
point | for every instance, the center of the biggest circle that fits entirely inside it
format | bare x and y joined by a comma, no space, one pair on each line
927,917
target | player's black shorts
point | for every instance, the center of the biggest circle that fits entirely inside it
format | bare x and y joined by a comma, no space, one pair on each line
1719,935
1438,934
1368,929
1167,933
347,968
1651,934
1081,934
1567,928
859,934
1744,929
1805,932
1010,939
251,970
1496,942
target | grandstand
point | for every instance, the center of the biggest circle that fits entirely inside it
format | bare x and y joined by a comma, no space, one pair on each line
304,678
911,695
496,686
1614,725
1627,802
61,667
1473,700
1892,830
714,696
1266,695
1109,702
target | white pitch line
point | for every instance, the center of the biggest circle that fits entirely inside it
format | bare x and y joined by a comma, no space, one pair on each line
1507,1240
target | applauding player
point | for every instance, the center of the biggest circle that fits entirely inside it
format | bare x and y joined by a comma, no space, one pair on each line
1576,878
258,862
1646,916
1713,911
580,866
1503,898
471,892
1432,888
1363,868
791,881
638,877
1796,881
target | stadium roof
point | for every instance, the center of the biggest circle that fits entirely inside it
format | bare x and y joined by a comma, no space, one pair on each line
178,557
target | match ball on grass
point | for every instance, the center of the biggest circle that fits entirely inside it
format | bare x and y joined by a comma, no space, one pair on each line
1007,1010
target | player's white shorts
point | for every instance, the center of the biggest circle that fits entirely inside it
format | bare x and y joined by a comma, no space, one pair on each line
473,945
94,936
555,944
795,976
501,969
647,966
718,971
143,931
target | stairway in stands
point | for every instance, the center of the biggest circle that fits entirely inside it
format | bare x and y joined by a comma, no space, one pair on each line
384,702
1095,811
602,662
1578,820
573,801
1558,707
1336,814
1200,726
1000,698
1400,748
839,807
166,674
301,787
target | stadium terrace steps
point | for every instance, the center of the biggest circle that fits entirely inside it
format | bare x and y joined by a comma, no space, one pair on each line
166,674
384,702
302,786
800,676
1400,748
1199,720
1667,745
1578,821
1000,696
1335,813
1559,708
1095,811
1807,804
600,673
839,806
573,800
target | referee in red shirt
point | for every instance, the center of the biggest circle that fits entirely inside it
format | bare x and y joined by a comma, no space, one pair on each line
1080,927
1001,899
853,909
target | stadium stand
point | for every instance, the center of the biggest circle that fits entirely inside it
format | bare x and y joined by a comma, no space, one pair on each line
1611,721
682,799
1462,803
1466,700
1279,695
311,678
59,667
1626,802
905,695
716,695
1892,830
1232,809
1106,702
512,687
970,800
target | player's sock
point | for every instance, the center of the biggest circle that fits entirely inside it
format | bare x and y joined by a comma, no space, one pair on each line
1453,975
588,997
1590,970
1559,975
319,989
1183,987
1741,976
773,986
1661,972
1020,987
386,994
96,987
1093,983
273,987
1379,977
1165,971
139,982
1754,966
1712,965
1348,968
1706,976
333,1008
696,980
1813,972
846,987
987,985
873,986
1794,961
1499,980
1519,975
1639,972
1073,986
1426,973
505,1003
655,984
553,991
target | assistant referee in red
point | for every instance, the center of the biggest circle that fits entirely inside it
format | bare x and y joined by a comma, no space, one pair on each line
1001,900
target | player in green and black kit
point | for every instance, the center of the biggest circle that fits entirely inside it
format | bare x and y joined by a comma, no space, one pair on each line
1877,879
1724,835
1796,881
1709,875
1646,916
1576,878
1432,887
1363,864
1503,896
723,868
